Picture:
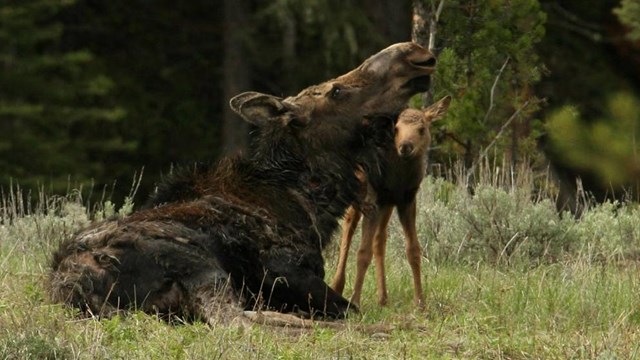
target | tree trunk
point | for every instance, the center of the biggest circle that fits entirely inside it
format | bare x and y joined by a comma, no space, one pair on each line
424,30
420,28
236,73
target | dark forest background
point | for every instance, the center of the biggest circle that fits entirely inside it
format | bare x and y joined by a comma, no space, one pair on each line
92,92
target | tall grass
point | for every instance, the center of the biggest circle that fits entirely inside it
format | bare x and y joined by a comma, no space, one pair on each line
507,276
510,217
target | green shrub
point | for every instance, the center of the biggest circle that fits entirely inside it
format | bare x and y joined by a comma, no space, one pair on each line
609,231
493,224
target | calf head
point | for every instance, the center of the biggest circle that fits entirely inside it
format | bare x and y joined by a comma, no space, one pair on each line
412,135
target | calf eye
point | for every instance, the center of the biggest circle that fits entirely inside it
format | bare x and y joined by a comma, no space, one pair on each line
421,131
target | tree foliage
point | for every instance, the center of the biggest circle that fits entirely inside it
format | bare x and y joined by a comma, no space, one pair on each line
55,115
312,40
629,14
97,90
606,147
489,64
591,88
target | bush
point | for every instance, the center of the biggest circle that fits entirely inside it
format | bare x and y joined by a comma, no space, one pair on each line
493,224
609,231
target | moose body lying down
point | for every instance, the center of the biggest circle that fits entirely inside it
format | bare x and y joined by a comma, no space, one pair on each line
254,225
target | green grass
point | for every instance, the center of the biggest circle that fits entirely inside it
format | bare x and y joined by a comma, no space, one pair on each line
578,299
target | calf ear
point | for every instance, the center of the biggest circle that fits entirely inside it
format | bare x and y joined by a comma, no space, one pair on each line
438,109
256,108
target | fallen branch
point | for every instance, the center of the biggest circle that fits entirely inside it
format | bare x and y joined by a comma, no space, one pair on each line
273,318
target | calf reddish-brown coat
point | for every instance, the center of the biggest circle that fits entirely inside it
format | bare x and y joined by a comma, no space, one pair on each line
255,224
404,166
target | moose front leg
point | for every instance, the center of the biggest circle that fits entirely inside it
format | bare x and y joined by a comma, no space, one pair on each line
324,301
297,291
297,283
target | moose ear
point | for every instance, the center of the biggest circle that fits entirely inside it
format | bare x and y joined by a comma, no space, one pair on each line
256,108
438,109
260,109
379,128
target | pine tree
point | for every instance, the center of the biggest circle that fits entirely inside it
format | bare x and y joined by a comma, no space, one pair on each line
56,122
488,63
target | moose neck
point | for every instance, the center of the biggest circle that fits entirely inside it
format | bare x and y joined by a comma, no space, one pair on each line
316,186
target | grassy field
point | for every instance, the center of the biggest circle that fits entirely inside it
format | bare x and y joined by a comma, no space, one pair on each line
506,278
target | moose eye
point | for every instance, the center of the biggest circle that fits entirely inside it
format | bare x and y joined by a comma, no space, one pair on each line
335,92
421,131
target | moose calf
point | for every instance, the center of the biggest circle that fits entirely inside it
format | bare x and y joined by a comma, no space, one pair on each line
404,168
252,228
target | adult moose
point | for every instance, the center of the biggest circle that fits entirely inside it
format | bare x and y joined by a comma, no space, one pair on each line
256,224
404,164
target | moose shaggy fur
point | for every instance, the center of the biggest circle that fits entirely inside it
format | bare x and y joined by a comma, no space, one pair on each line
252,228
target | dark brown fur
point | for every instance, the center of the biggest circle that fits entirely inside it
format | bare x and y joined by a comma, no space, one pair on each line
253,227
397,187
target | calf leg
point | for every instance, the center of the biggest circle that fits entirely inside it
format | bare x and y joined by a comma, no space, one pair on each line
407,216
365,252
379,250
351,219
